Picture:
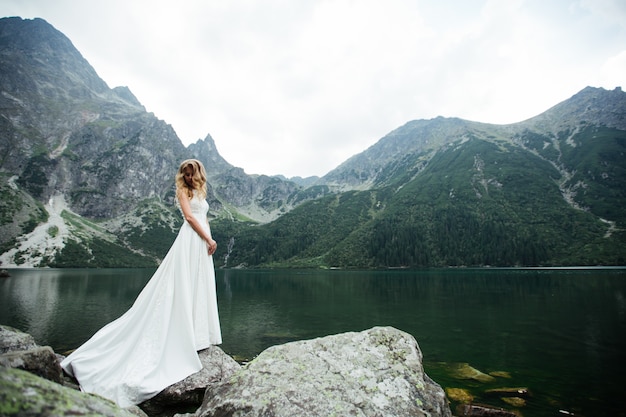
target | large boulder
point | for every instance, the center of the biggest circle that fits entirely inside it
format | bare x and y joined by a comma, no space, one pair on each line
24,394
189,393
371,373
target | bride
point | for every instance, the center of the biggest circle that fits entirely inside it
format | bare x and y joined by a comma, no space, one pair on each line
155,343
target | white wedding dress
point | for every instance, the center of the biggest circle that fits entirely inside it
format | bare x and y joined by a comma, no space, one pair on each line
155,343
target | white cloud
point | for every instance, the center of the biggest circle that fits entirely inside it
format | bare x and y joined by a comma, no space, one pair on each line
613,72
298,87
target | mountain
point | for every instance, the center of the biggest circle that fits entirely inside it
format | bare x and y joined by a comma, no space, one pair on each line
86,179
548,191
407,148
67,139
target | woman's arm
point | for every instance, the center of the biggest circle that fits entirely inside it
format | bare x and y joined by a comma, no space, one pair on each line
194,223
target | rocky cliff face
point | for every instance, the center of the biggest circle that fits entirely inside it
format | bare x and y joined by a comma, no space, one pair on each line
65,131
65,134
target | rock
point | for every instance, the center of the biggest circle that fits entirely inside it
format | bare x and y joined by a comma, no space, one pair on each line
41,361
25,394
509,392
516,402
475,410
500,374
19,350
189,393
459,395
465,371
12,339
4,273
371,373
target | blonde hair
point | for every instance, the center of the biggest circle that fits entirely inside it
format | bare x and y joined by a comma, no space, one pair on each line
198,178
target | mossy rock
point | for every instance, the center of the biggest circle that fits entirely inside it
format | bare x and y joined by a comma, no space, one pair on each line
466,371
24,394
459,395
500,374
515,401
509,392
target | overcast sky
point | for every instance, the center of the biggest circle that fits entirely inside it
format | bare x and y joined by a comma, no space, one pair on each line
296,87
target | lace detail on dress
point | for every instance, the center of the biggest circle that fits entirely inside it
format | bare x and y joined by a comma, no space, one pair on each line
198,205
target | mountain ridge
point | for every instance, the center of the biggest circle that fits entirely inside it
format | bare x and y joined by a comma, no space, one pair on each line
78,118
65,137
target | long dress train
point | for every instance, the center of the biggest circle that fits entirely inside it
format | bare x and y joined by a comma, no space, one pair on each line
155,343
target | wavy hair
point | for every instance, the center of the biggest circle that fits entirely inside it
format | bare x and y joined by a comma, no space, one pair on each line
198,178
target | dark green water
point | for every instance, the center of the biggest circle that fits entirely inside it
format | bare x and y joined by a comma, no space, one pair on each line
559,332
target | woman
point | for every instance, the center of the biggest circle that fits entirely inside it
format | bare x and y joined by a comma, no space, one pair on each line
155,343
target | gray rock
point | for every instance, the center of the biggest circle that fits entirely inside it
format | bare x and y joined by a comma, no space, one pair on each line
41,361
377,372
371,373
24,394
189,393
477,410
12,339
19,350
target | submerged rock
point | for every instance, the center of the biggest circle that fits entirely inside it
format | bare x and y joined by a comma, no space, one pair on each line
515,401
459,395
509,392
371,373
465,371
501,374
475,410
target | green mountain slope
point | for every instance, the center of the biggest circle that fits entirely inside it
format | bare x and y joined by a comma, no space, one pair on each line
475,203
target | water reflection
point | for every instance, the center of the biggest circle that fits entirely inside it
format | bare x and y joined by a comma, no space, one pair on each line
34,301
64,307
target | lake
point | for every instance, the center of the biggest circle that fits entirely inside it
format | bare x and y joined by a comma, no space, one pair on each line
559,332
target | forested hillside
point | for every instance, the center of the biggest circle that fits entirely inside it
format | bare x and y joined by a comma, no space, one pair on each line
474,204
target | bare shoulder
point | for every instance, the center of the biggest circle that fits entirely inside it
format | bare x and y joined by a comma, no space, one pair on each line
181,194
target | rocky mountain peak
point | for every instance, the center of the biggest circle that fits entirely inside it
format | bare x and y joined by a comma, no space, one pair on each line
590,105
206,151
32,50
64,131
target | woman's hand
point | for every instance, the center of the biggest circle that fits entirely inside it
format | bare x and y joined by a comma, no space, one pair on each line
211,246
